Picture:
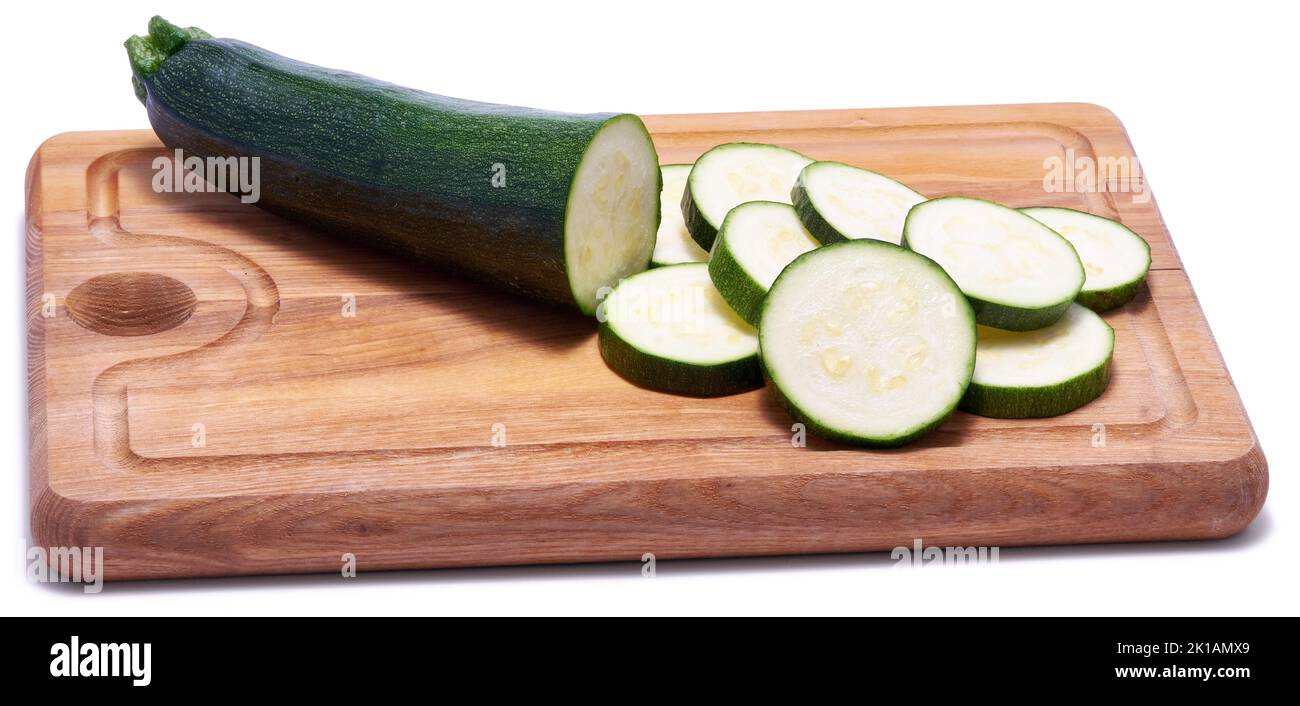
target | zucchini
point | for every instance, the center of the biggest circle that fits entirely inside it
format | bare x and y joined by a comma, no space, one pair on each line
866,342
555,206
838,202
674,244
668,329
758,239
731,174
1018,274
1041,373
1115,259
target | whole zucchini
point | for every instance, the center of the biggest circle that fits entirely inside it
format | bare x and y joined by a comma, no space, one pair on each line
553,205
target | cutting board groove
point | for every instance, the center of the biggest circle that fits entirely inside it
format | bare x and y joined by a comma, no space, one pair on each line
203,403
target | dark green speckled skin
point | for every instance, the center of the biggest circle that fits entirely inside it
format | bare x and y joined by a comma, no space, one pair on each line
401,169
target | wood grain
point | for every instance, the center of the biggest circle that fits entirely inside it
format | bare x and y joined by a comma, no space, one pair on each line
260,428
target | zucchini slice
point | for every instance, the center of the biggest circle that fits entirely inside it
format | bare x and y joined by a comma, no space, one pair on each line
668,329
1018,274
556,206
758,239
1041,373
838,202
673,243
731,174
866,342
1115,258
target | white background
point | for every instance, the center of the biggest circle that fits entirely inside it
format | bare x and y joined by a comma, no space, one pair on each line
1209,99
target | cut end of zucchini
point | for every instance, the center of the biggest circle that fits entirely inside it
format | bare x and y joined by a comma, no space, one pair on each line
757,240
841,202
867,342
1019,274
1115,259
613,210
734,173
147,53
673,243
668,329
1041,373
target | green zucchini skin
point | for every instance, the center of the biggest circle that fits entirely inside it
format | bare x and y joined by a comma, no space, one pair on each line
1019,403
661,374
404,170
741,291
812,219
1014,318
702,232
1105,300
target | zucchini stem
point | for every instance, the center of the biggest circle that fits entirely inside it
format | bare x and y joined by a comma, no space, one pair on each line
147,53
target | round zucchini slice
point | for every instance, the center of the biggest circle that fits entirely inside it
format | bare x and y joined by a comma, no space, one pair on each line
758,239
1115,258
838,202
866,342
668,329
1018,274
1041,373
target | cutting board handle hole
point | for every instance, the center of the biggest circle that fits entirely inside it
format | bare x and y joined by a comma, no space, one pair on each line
131,303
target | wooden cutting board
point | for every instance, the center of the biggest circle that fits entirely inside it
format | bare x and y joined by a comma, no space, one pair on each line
254,422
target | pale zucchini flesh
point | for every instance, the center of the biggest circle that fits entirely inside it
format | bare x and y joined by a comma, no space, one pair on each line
1041,373
757,240
673,243
866,342
734,173
668,329
1018,274
1115,259
838,201
612,212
